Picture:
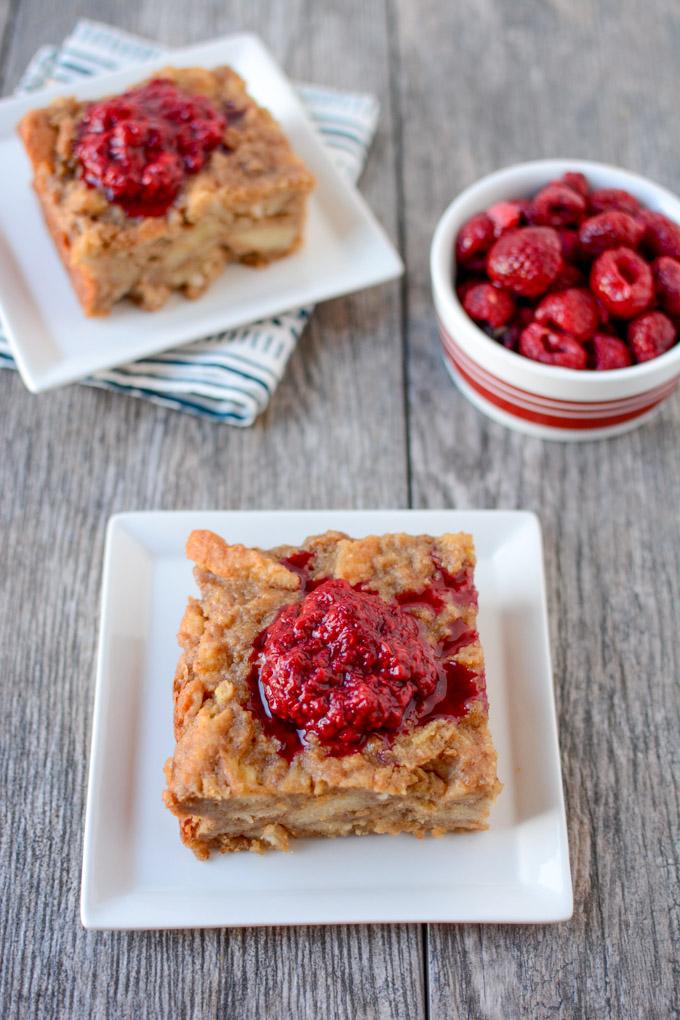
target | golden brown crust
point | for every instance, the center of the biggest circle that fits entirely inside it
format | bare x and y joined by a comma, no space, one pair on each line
210,552
226,780
248,203
82,280
39,137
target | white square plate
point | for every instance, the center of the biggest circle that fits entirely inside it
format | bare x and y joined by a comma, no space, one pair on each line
345,249
137,874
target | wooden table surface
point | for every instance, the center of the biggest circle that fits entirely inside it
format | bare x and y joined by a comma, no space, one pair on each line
366,417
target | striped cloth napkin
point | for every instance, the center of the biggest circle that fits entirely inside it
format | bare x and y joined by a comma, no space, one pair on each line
229,377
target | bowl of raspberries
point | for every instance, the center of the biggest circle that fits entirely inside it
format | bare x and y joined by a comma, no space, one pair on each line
557,287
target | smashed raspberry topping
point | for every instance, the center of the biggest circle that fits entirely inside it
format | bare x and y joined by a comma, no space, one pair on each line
651,335
140,146
558,278
623,282
543,344
343,664
526,261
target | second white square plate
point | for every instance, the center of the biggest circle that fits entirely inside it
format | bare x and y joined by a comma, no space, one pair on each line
344,249
137,874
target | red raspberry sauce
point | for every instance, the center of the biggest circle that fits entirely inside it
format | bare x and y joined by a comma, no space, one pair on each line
344,664
139,147
435,594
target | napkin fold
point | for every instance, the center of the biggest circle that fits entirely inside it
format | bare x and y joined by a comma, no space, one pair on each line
229,377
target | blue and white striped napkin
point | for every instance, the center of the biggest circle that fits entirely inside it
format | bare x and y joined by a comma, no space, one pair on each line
229,377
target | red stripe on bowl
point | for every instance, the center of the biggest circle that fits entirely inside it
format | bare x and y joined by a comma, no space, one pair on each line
564,409
547,410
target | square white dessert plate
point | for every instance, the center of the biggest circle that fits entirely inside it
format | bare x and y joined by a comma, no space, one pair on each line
344,249
137,874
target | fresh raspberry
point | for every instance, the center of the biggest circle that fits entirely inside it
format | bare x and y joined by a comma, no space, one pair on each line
603,199
661,236
464,286
577,182
558,205
611,229
604,315
610,352
570,311
524,208
474,238
506,216
526,261
485,303
667,282
650,335
568,276
525,315
510,336
570,245
475,266
541,344
573,277
623,283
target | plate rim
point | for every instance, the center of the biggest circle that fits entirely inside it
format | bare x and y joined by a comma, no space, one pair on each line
98,915
39,379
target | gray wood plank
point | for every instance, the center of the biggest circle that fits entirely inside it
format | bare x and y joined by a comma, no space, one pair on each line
7,8
8,14
334,436
481,85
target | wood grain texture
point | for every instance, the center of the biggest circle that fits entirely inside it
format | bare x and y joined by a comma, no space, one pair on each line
75,456
495,83
365,417
7,9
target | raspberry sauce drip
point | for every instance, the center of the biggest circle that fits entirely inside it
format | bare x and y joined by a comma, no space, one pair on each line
299,563
139,147
459,635
291,740
435,594
457,685
345,665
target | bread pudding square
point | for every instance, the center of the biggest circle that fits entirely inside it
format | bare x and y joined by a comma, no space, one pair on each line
157,189
330,689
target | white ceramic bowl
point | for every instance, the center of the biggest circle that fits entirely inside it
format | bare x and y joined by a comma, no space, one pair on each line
543,400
